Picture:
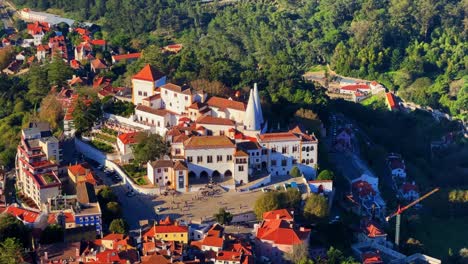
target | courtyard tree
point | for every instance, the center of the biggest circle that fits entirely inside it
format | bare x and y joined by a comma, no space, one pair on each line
119,226
223,217
150,147
266,202
326,175
316,207
86,113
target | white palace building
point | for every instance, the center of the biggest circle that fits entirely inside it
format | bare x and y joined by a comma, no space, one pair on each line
213,137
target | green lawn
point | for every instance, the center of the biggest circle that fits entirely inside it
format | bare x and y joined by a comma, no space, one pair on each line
438,235
375,101
105,137
134,171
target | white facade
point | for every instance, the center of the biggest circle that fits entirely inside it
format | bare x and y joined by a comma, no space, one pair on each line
175,101
282,151
141,90
158,119
38,38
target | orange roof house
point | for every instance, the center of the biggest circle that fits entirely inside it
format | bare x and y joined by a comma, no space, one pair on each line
169,232
276,233
148,73
391,102
81,173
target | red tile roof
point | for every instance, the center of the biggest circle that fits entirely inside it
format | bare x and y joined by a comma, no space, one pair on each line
213,238
396,163
211,120
363,188
128,138
163,229
42,47
355,87
372,229
407,187
177,88
148,73
278,214
23,214
127,56
144,108
391,101
371,258
52,218
223,103
79,169
98,42
282,233
202,142
98,64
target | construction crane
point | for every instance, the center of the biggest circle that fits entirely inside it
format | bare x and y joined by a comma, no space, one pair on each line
401,210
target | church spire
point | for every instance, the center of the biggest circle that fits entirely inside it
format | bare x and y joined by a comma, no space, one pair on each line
250,118
258,106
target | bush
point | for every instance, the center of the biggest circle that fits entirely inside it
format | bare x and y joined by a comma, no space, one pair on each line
141,181
295,172
134,170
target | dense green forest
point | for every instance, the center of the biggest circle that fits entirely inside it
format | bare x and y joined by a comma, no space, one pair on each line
416,47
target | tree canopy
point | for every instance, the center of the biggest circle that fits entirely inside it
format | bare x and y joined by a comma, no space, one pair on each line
326,175
223,217
150,147
316,207
289,199
11,251
119,226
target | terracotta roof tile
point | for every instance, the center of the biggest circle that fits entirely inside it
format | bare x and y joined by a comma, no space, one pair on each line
148,73
128,138
225,103
128,56
210,120
144,108
200,142
23,214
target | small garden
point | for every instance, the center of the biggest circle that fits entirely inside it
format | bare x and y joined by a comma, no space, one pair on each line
104,147
136,172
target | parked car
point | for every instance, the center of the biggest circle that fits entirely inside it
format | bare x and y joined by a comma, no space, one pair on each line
159,209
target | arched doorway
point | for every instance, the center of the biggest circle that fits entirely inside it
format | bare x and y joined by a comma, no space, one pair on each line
216,174
228,173
264,165
204,174
192,174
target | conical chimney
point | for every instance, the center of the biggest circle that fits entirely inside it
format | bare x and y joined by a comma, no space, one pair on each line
250,118
258,106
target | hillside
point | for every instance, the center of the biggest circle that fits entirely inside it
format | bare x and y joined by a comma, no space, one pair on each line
415,47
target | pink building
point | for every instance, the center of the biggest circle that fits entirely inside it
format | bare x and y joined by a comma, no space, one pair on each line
277,234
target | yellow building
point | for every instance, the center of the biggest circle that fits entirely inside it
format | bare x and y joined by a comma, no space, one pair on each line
168,231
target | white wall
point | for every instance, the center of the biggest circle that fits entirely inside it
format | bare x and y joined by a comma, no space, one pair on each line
141,90
174,101
221,167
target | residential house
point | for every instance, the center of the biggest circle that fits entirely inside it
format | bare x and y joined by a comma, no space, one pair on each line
37,30
118,242
125,142
396,165
170,174
98,65
129,57
277,234
81,173
409,191
366,197
168,231
41,52
212,241
370,231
